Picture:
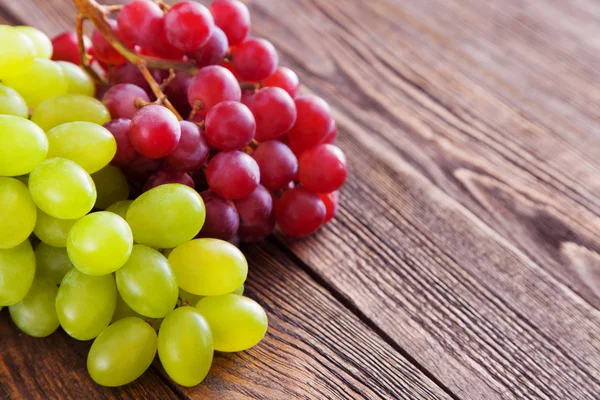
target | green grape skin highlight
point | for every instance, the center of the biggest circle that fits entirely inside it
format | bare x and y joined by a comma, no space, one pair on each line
209,267
44,79
147,283
52,231
52,263
41,42
90,145
17,213
122,352
36,313
99,243
85,304
166,216
111,186
120,208
11,103
185,346
78,81
18,52
237,323
17,270
69,108
23,146
62,189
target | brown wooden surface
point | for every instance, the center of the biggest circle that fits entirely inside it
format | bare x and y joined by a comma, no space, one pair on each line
465,261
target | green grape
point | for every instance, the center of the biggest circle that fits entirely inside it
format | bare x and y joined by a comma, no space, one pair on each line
18,52
78,81
239,291
188,298
147,283
24,179
52,231
69,108
99,243
11,103
120,208
208,267
124,311
52,262
90,145
85,304
23,145
17,269
62,189
42,80
111,185
185,346
122,352
17,213
236,322
36,313
41,42
166,216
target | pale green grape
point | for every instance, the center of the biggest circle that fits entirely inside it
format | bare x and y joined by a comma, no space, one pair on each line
41,42
185,346
62,189
208,267
17,213
24,179
147,283
122,352
69,108
11,103
111,185
99,243
78,81
52,262
188,298
17,269
124,311
52,231
166,216
85,304
120,208
90,145
42,80
36,313
23,145
239,291
236,322
18,52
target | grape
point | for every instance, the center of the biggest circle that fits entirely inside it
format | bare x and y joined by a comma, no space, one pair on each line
78,81
213,51
41,42
23,145
140,22
52,231
208,267
299,212
323,168
103,50
256,207
232,175
212,85
312,125
17,269
69,108
85,304
62,189
142,167
239,291
189,298
233,18
277,163
121,100
111,186
163,49
254,59
17,213
154,131
256,231
274,111
120,208
176,92
147,283
222,218
165,176
125,154
192,151
36,313
166,216
285,79
18,52
185,346
90,145
236,322
331,134
331,201
230,126
100,243
53,263
11,103
42,80
122,311
65,47
188,25
129,73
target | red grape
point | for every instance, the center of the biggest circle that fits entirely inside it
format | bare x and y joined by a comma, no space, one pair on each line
103,50
285,79
154,131
176,90
247,96
323,168
232,174
299,212
126,154
140,22
212,85
120,100
331,135
312,124
165,176
213,51
233,17
254,59
251,233
256,207
230,126
141,168
129,73
331,201
161,48
192,151
274,111
222,219
277,164
65,47
188,25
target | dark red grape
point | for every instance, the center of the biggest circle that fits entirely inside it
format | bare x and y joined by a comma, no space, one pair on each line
165,176
213,51
230,126
176,90
331,135
121,100
65,47
129,73
312,124
323,168
274,111
126,154
299,212
103,50
233,17
212,85
277,164
188,25
285,79
256,207
331,201
141,168
247,97
222,219
254,59
232,175
252,233
140,22
161,48
154,131
192,151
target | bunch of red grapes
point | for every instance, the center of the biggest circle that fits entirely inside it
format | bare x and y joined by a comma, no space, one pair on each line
259,153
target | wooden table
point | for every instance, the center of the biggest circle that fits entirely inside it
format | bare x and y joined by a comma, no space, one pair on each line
465,261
